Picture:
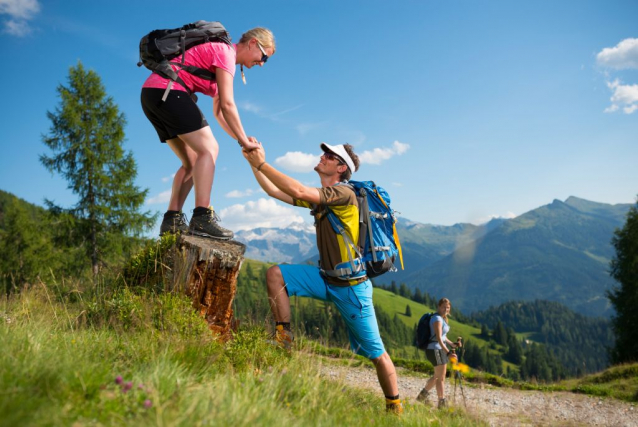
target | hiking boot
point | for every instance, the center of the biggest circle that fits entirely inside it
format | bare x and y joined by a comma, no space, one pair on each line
394,406
442,403
206,225
174,223
282,338
424,397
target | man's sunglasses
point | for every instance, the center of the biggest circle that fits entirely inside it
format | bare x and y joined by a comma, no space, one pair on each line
332,156
264,57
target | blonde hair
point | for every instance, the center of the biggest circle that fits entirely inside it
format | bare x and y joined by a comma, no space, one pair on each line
444,301
264,36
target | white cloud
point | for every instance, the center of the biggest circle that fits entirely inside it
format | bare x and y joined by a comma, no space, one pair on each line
163,197
625,96
296,161
22,9
261,111
397,184
304,128
168,178
379,155
20,12
237,193
507,215
622,56
250,107
262,213
630,109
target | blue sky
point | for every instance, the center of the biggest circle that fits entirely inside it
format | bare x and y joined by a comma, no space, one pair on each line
463,110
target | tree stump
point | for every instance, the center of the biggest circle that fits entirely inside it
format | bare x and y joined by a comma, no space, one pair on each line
207,269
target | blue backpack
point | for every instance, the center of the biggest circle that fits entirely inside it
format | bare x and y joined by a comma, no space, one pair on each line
378,245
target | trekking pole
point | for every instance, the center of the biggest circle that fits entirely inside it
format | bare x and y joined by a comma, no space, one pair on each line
458,376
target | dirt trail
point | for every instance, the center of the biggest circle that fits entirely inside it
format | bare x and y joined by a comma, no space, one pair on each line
505,407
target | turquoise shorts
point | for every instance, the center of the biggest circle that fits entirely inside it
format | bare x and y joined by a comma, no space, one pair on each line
353,302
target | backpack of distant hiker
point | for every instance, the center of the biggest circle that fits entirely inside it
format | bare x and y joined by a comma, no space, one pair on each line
378,246
424,335
159,47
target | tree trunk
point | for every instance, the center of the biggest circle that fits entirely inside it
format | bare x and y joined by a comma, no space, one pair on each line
207,269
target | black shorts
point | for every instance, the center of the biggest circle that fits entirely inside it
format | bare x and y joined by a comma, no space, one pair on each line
436,357
178,115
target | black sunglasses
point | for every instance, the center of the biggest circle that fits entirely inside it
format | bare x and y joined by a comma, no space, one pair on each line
264,57
332,156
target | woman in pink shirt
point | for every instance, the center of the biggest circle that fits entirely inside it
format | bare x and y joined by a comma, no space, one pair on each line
180,123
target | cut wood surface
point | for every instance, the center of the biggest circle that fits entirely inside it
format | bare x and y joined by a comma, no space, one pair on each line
207,269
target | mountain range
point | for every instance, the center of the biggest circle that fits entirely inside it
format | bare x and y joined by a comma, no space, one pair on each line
557,252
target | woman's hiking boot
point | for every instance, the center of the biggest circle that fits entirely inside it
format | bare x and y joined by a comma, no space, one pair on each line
442,403
393,406
282,338
424,397
205,224
174,223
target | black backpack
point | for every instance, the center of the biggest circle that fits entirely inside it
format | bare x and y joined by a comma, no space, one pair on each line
159,47
424,335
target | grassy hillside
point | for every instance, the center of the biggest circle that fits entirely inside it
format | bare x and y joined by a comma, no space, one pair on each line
78,355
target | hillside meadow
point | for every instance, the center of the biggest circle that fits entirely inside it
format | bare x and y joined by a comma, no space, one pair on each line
77,354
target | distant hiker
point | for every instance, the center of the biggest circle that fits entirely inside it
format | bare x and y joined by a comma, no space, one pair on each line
352,296
180,123
439,351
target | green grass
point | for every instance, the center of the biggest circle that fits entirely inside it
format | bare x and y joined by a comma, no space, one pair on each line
63,349
620,382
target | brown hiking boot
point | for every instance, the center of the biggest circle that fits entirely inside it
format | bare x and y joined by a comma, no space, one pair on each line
394,406
442,403
206,225
282,338
424,397
174,223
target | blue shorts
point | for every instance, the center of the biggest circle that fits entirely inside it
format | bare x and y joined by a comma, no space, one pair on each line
353,302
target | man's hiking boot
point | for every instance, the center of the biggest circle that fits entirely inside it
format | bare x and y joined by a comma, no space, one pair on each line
442,403
393,406
424,397
174,223
282,338
206,225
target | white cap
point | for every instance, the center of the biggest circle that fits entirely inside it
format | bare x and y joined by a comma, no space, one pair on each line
340,151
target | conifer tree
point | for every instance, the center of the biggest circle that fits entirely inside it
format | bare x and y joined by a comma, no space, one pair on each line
86,138
624,269
408,310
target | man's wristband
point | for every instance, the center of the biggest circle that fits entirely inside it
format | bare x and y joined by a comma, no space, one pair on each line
260,166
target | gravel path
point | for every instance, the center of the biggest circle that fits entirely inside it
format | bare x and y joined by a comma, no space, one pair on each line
504,407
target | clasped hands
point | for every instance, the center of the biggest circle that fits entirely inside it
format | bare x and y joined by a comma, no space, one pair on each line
255,155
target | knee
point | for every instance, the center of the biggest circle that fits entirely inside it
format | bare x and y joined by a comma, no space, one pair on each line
187,167
274,278
382,360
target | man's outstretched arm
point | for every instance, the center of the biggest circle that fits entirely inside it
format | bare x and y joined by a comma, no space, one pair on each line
277,184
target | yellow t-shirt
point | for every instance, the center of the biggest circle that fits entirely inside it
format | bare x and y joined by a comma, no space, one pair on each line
332,247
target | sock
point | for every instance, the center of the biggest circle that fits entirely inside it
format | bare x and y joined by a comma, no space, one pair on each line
199,211
286,325
392,399
171,213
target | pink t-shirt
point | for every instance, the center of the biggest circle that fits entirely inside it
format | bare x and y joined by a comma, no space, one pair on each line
208,56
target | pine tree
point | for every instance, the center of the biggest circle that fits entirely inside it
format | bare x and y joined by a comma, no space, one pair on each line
485,333
24,249
624,269
86,138
500,334
408,310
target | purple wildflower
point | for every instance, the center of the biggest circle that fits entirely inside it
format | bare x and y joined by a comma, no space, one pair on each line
148,403
118,379
127,386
